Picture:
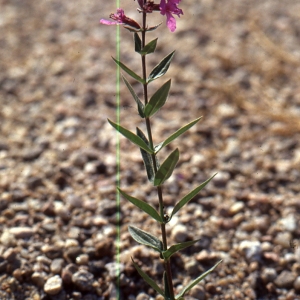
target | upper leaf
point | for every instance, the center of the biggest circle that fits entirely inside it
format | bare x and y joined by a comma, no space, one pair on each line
158,99
139,103
167,168
131,136
143,206
175,248
175,135
149,48
150,281
190,196
145,238
130,72
195,281
147,158
161,68
137,43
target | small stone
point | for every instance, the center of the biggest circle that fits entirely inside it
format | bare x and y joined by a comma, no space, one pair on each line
56,265
192,267
82,259
83,280
251,249
7,239
52,251
53,285
10,255
283,239
289,223
236,207
142,296
198,293
22,232
297,284
268,275
179,233
113,269
38,278
68,272
285,280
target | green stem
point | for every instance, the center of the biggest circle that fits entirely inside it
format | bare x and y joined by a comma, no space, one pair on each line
167,264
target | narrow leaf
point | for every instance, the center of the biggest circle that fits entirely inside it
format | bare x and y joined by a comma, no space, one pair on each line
131,136
143,206
176,135
128,71
177,247
167,168
196,281
137,43
158,99
190,196
161,68
147,158
150,281
145,238
149,48
139,103
153,27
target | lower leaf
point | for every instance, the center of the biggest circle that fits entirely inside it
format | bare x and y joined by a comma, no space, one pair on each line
150,281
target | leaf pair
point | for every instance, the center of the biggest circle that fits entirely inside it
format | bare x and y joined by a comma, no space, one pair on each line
155,103
142,144
151,211
158,71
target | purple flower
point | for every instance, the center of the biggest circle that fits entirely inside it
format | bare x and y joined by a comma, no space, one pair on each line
120,19
169,8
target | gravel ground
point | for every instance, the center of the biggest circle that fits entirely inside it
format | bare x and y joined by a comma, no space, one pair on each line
237,64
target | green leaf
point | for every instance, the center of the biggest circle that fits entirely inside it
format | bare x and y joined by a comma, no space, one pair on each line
143,206
150,281
177,247
131,136
130,72
196,281
137,43
167,168
175,135
157,100
147,158
145,238
161,68
190,196
139,103
149,48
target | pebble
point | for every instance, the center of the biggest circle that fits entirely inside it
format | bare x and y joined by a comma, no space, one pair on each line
236,208
56,265
179,233
83,280
38,278
268,275
53,285
285,280
283,239
297,284
251,249
22,232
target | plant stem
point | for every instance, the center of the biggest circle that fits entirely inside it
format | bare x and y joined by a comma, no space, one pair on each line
167,265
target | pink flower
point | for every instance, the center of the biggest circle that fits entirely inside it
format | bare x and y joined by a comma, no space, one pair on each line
169,8
120,19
